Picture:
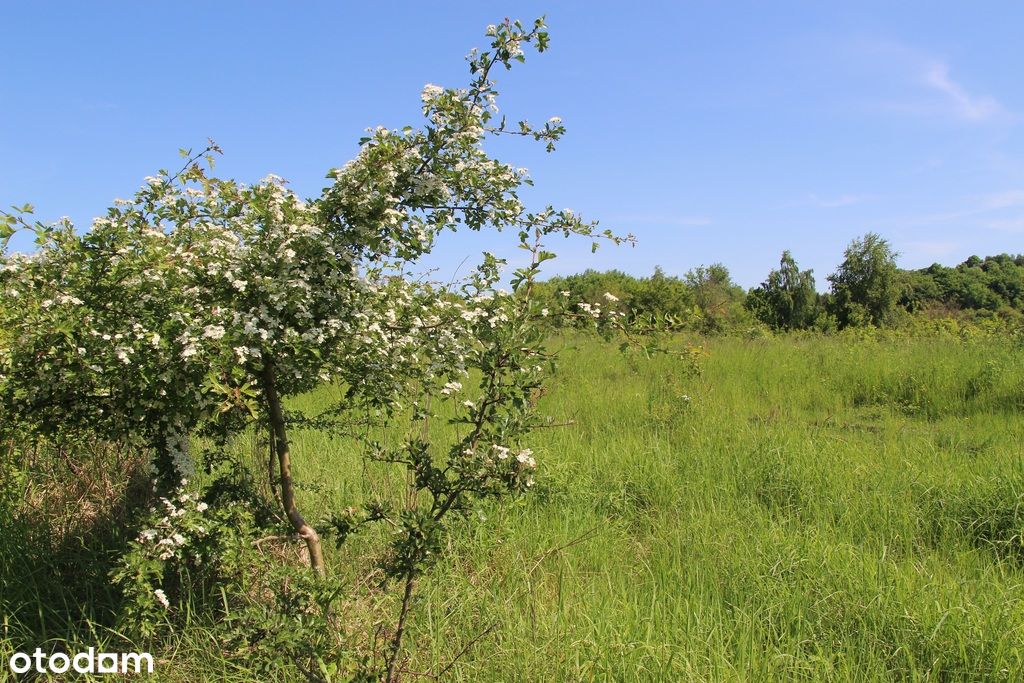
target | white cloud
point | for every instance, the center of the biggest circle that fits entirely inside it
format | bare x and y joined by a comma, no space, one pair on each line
833,202
836,202
658,219
928,249
1013,225
965,105
1003,200
909,81
983,211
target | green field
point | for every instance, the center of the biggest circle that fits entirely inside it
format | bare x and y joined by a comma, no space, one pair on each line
817,508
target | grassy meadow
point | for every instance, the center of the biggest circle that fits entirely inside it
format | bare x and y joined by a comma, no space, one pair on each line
807,508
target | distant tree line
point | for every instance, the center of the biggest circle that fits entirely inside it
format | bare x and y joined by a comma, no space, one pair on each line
867,289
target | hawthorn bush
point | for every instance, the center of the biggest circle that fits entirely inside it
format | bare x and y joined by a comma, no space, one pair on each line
190,312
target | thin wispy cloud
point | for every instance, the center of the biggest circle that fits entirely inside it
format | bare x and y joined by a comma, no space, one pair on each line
913,82
1013,225
964,105
1003,200
929,249
837,202
94,105
834,202
659,219
993,211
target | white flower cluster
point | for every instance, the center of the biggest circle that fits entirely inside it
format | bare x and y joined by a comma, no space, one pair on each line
431,92
520,464
593,310
181,521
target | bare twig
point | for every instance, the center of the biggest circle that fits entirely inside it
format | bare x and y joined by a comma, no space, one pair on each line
465,649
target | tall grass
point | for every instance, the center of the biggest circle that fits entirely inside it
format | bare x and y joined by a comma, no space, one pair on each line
806,509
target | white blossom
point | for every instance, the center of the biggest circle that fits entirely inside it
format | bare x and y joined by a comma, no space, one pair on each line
431,92
213,331
525,457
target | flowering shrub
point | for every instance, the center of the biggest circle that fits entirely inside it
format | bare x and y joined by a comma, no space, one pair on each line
199,304
192,556
182,539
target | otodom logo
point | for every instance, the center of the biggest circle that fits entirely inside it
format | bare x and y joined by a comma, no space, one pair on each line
88,662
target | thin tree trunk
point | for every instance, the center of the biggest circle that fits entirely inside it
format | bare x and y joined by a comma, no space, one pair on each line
396,642
284,460
271,460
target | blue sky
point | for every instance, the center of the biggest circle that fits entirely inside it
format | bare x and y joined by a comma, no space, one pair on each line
712,131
